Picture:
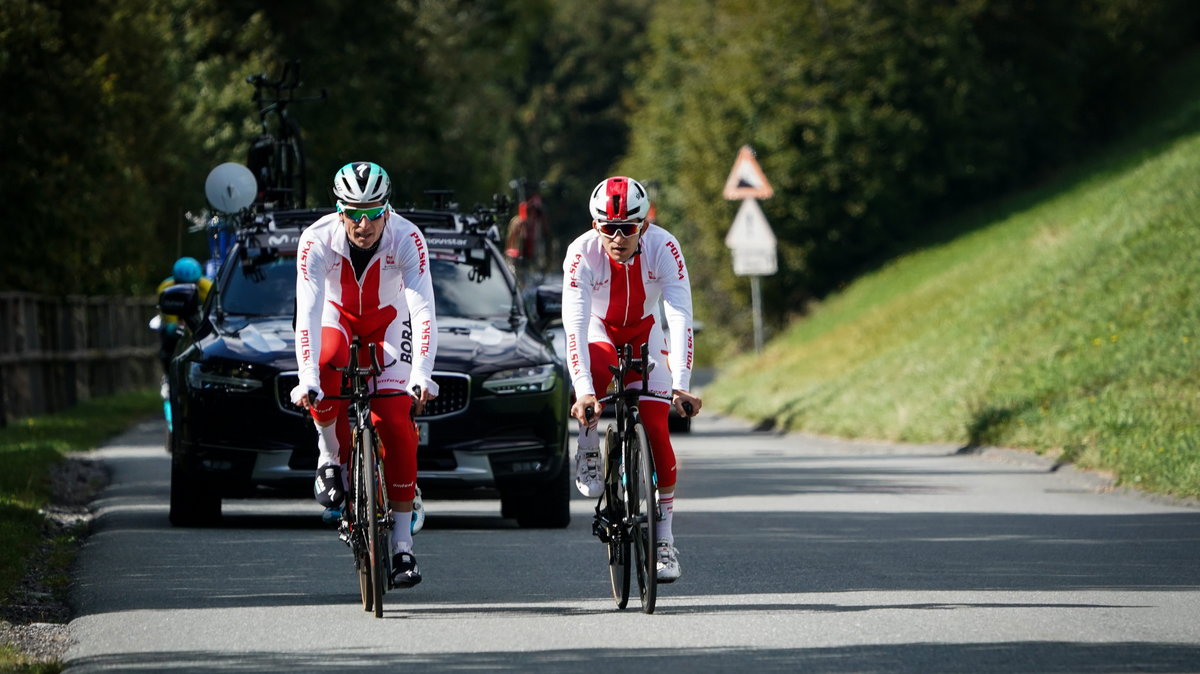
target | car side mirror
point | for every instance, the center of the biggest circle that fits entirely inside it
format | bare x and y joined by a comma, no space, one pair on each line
549,302
182,300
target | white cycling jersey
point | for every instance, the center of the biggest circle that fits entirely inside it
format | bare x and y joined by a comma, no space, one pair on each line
617,296
397,278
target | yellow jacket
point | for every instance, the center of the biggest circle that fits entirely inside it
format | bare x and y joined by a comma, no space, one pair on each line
169,320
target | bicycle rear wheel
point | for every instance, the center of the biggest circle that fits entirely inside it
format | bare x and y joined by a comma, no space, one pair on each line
643,511
290,168
618,544
374,536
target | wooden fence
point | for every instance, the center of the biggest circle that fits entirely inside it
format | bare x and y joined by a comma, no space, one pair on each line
58,351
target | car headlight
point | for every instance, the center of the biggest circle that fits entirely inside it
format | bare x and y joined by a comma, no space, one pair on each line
522,380
227,377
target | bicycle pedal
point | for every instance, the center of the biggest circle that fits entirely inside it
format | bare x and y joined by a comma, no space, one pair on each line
600,530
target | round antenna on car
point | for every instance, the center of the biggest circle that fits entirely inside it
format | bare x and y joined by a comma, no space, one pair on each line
230,187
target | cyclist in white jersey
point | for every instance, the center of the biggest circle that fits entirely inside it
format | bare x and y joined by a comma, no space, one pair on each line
613,277
365,271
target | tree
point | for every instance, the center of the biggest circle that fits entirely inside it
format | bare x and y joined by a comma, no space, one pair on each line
872,119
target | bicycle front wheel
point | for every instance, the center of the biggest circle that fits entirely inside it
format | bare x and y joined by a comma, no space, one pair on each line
618,543
359,542
643,514
374,535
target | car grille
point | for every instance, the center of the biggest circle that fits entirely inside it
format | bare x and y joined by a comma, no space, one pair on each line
454,393
284,383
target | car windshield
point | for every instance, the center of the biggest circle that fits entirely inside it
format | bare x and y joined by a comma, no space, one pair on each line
459,289
264,288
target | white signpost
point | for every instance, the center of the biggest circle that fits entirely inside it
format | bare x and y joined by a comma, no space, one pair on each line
750,238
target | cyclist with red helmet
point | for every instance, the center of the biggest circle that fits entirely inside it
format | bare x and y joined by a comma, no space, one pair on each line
364,271
613,278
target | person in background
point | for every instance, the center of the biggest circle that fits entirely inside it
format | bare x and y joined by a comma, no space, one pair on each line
185,270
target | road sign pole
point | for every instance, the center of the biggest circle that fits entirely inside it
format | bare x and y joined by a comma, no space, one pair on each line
756,302
750,238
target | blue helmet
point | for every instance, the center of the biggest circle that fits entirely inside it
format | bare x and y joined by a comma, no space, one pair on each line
187,270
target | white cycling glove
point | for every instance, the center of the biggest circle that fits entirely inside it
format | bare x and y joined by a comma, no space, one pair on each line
426,384
301,391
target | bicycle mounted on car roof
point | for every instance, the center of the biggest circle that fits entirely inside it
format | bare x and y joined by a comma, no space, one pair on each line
276,156
275,175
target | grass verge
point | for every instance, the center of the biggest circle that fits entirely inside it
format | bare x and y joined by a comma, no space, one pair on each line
1063,320
30,449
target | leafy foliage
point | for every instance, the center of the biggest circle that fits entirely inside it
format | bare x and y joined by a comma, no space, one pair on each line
870,118
873,119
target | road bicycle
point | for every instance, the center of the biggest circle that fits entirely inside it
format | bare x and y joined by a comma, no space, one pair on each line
365,525
276,156
627,510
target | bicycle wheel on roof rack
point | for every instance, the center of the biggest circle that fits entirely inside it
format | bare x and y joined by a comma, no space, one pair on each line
289,167
643,511
618,544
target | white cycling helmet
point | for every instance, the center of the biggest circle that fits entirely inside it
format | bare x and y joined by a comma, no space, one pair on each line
362,182
619,198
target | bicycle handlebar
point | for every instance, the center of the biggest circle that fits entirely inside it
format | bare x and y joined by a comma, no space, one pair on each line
289,80
387,394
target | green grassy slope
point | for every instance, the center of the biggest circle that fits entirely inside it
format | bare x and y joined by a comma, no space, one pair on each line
1064,319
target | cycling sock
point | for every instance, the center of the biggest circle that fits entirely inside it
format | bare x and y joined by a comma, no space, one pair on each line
666,505
401,532
327,445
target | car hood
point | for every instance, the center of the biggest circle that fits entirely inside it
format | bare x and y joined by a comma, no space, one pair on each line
258,339
479,345
464,345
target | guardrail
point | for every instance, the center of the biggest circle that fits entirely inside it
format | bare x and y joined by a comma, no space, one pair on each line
58,351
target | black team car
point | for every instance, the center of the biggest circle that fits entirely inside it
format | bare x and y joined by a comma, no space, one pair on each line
499,423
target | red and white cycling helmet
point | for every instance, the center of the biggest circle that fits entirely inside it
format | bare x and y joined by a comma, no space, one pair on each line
362,182
619,199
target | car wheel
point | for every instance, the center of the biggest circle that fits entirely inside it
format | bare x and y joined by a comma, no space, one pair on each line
543,505
194,503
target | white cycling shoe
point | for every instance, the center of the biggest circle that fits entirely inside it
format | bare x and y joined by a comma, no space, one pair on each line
587,473
418,513
668,563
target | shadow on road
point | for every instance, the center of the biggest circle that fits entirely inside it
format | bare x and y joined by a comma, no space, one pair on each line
1048,657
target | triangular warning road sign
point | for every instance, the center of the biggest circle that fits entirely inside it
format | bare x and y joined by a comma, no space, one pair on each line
746,179
750,228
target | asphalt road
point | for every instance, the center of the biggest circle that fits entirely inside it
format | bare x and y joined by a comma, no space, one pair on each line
798,554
